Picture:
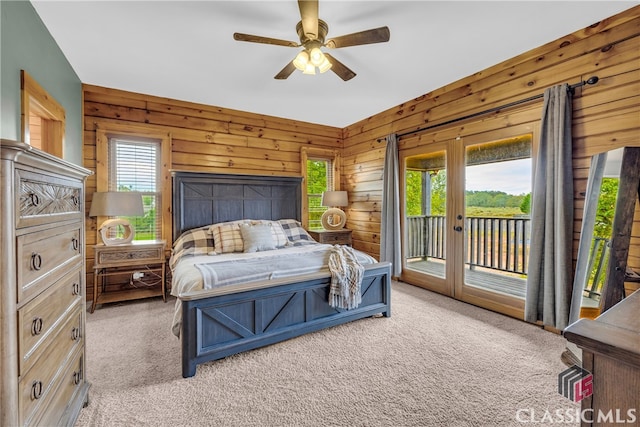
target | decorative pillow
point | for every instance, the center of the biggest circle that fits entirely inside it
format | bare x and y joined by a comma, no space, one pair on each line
279,236
257,237
198,241
294,231
227,236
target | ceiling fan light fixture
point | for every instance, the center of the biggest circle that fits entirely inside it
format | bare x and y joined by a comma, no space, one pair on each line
325,66
309,69
301,60
316,56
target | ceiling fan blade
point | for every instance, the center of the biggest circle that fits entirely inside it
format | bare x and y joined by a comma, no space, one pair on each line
340,69
376,35
265,40
286,71
309,18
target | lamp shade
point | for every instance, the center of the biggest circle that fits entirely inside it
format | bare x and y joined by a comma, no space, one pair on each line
334,198
116,203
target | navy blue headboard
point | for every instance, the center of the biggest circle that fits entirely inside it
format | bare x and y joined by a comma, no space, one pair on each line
201,199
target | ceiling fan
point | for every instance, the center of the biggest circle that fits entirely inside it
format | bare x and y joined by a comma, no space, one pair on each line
312,32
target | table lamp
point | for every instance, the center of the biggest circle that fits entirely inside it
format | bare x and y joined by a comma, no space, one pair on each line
116,203
334,218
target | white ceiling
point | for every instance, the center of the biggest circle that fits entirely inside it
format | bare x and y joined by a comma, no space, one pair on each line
185,50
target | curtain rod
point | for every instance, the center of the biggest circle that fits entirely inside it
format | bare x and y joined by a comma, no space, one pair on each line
591,81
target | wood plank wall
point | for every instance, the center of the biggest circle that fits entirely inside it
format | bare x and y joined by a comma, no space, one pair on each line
214,139
204,138
606,115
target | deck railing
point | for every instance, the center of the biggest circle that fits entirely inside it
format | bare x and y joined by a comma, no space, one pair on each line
496,243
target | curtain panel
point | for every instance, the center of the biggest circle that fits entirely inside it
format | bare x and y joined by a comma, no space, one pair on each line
549,279
390,241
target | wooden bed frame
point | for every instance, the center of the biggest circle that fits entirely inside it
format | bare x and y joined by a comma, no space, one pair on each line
217,323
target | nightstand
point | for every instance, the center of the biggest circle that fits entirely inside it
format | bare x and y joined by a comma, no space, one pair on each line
136,260
332,237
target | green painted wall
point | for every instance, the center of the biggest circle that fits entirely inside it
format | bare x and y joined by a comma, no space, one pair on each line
26,44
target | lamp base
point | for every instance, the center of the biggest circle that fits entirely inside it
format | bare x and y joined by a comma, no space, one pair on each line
108,225
333,219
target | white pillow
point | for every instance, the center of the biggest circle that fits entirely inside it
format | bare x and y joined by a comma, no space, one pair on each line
280,237
257,237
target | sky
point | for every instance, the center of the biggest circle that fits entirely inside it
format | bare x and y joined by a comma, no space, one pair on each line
513,177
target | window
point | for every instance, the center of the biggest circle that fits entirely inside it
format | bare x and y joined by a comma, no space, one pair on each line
320,169
135,157
43,119
319,180
135,166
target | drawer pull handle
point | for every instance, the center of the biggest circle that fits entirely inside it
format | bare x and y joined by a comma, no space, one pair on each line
35,200
75,334
36,390
75,289
75,200
75,244
36,261
77,376
36,326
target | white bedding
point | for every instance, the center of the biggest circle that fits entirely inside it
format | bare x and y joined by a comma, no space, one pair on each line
188,278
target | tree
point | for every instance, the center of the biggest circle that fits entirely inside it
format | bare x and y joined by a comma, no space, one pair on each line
525,206
439,193
606,208
414,193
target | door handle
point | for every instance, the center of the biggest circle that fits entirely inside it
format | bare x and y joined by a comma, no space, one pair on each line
457,228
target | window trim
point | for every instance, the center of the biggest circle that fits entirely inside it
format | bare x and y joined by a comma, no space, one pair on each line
105,131
307,153
35,100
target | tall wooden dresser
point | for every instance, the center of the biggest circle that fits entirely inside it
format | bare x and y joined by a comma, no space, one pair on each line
42,293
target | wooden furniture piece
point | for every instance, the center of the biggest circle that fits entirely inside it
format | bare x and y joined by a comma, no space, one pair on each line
611,352
215,323
42,293
137,258
332,237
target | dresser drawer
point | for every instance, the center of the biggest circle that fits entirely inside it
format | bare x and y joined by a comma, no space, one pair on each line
37,386
65,390
40,319
44,199
44,253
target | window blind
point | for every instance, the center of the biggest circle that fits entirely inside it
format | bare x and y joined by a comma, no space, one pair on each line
134,165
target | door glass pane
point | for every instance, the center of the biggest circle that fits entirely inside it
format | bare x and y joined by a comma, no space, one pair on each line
426,190
497,222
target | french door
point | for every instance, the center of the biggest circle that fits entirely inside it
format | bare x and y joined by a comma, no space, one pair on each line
465,217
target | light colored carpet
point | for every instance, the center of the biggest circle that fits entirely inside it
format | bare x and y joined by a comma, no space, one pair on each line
435,362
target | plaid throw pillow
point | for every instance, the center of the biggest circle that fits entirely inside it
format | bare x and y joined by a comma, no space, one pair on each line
227,236
294,231
198,241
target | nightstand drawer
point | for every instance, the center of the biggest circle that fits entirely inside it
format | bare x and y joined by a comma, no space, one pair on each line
332,237
115,256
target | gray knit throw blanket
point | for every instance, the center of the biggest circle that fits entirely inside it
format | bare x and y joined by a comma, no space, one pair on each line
346,278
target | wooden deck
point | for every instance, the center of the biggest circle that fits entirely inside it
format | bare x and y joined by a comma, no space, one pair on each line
484,278
479,277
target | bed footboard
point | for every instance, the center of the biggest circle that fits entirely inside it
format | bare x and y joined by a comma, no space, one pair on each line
219,326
